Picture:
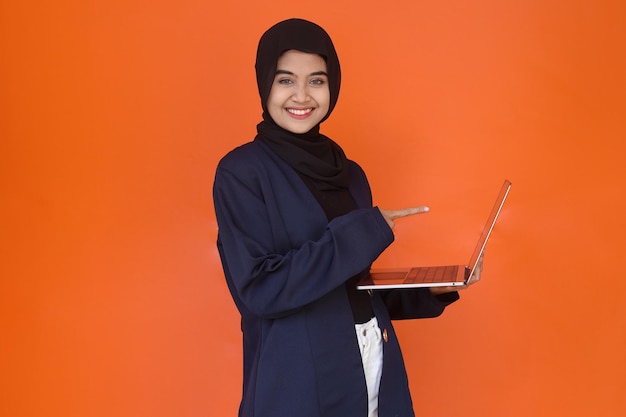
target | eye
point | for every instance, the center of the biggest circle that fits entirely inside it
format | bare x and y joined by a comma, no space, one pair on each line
318,81
284,81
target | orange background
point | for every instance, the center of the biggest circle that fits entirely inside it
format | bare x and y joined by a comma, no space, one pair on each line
114,114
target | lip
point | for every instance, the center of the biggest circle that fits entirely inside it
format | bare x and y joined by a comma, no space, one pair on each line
300,113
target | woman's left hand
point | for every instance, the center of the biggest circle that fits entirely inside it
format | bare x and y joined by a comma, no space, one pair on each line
473,279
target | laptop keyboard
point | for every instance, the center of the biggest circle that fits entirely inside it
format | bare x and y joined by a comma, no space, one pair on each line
432,274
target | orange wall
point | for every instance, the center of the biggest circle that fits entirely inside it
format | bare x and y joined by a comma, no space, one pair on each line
113,115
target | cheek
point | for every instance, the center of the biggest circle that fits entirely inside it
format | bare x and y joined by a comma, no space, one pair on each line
273,103
325,100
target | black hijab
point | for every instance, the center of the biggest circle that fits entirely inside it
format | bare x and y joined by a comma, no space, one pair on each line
311,154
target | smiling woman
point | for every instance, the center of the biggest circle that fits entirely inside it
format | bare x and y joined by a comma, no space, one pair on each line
297,230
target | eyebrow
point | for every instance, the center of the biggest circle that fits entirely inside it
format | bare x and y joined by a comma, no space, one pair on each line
310,75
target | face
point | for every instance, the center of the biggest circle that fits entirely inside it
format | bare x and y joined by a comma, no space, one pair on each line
299,98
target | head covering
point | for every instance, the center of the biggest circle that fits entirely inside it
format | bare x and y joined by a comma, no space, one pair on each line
303,36
311,154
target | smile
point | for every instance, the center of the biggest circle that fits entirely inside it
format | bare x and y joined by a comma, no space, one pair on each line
299,112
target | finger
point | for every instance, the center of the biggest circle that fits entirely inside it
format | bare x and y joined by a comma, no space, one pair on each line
396,214
474,278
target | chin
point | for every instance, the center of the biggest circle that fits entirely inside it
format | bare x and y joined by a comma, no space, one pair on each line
300,131
296,129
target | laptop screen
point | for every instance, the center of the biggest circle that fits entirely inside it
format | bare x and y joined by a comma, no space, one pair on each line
491,221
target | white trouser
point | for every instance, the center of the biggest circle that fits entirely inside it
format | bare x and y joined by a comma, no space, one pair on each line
371,347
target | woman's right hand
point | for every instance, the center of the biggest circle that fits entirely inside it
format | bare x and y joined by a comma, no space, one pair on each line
391,215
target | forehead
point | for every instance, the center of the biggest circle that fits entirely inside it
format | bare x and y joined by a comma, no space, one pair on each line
293,60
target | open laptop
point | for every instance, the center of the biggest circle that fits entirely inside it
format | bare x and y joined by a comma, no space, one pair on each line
436,276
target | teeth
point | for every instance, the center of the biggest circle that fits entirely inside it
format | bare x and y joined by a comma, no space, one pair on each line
299,112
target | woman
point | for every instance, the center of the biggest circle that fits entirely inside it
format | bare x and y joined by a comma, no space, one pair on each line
296,231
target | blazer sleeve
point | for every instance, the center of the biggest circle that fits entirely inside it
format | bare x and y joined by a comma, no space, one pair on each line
416,303
271,282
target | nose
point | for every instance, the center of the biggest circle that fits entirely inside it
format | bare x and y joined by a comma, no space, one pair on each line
301,93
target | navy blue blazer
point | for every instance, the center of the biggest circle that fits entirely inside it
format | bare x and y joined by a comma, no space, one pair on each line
286,266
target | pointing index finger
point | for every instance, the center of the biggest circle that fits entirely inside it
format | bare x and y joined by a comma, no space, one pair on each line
396,214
